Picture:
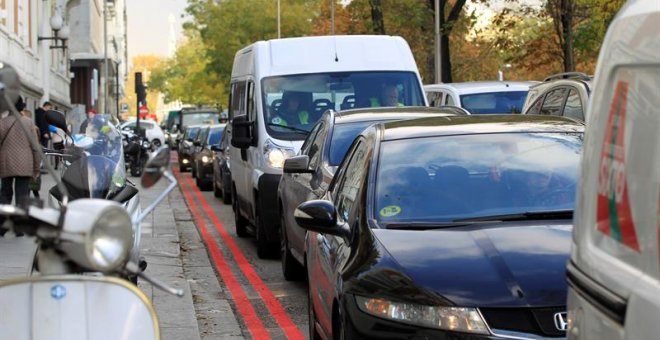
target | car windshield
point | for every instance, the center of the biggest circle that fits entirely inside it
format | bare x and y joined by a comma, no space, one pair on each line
294,103
215,135
193,132
443,179
495,102
342,137
195,118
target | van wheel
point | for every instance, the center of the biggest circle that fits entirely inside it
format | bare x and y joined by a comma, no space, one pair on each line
239,221
265,249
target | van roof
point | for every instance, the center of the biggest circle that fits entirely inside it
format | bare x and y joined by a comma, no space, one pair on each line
325,54
482,86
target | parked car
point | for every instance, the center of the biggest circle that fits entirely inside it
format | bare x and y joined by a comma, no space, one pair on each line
221,169
614,285
480,97
445,227
307,175
153,132
203,155
186,147
563,94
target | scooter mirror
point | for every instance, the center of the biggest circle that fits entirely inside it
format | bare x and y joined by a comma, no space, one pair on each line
156,166
9,85
56,119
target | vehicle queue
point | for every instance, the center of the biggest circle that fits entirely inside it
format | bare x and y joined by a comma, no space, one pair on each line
414,221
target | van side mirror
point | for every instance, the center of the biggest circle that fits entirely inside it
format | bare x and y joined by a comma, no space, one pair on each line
56,118
242,137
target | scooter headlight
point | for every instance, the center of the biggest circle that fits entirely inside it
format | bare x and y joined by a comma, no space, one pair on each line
97,234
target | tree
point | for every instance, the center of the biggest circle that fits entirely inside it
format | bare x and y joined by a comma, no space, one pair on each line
446,26
145,63
377,17
185,76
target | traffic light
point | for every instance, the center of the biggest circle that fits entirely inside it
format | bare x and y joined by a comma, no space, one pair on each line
140,89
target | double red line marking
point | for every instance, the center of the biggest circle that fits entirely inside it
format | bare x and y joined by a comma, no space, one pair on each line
245,308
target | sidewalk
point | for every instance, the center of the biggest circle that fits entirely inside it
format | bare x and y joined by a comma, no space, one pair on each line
161,246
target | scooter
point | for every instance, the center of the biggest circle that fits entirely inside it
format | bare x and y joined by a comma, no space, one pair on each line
136,151
85,250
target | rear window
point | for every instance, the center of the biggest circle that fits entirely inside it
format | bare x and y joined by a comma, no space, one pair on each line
494,102
215,135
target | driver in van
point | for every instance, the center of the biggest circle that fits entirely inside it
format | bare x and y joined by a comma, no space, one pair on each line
389,97
291,112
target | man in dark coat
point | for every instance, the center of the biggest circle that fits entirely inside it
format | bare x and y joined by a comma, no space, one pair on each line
42,124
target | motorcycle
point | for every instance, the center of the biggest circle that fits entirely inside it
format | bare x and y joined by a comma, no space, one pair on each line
85,249
93,167
136,151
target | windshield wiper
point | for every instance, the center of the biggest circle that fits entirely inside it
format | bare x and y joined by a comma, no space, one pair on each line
290,128
529,215
426,225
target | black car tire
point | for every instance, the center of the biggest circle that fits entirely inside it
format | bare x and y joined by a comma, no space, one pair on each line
291,269
182,168
193,172
239,221
226,193
200,183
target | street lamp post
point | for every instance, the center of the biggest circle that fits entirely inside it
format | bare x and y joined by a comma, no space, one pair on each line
500,72
278,19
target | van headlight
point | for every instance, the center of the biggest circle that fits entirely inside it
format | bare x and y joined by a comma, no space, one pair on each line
98,234
275,154
456,319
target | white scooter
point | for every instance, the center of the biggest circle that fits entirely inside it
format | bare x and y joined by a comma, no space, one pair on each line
85,249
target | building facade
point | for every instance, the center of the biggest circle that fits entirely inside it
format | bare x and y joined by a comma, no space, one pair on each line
44,71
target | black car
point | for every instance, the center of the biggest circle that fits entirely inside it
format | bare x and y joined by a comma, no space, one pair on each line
186,147
439,228
307,175
221,172
203,156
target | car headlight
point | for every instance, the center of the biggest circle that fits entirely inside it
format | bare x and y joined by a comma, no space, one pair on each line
205,159
457,319
99,234
146,144
275,154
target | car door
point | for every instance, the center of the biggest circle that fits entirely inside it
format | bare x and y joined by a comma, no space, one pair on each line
238,157
333,251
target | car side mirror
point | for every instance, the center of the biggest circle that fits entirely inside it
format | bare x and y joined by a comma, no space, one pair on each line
56,119
197,143
216,147
320,216
189,140
242,137
297,165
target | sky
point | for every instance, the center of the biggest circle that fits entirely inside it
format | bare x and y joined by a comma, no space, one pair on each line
148,25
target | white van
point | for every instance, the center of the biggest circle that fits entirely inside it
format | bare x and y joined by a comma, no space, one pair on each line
280,88
614,271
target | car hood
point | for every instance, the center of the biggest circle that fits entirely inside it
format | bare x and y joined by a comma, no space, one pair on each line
498,265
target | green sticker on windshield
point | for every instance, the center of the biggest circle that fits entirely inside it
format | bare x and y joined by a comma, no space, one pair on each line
390,210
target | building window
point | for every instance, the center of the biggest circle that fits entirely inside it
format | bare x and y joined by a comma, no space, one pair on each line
3,12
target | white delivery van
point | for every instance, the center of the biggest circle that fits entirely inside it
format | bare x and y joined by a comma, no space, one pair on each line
280,88
614,270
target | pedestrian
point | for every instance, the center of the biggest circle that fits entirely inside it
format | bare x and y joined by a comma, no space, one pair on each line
19,160
42,124
57,136
35,183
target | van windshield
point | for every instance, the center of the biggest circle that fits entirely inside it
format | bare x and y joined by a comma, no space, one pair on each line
293,103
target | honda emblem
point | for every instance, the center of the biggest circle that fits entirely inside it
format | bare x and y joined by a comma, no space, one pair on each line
560,321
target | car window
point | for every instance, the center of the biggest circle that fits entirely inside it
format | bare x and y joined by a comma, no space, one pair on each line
553,102
470,176
315,150
494,102
214,136
434,98
449,100
573,108
304,149
349,186
535,108
342,137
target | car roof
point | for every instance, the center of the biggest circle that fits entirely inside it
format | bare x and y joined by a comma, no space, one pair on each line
477,124
482,86
386,113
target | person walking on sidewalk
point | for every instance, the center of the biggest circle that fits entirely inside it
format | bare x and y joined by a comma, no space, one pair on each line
19,161
35,183
42,124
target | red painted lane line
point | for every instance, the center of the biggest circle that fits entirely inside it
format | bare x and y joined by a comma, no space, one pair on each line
274,306
245,308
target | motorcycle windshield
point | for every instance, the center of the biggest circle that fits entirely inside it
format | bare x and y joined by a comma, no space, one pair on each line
97,169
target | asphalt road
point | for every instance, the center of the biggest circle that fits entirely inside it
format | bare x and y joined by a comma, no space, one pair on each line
265,304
